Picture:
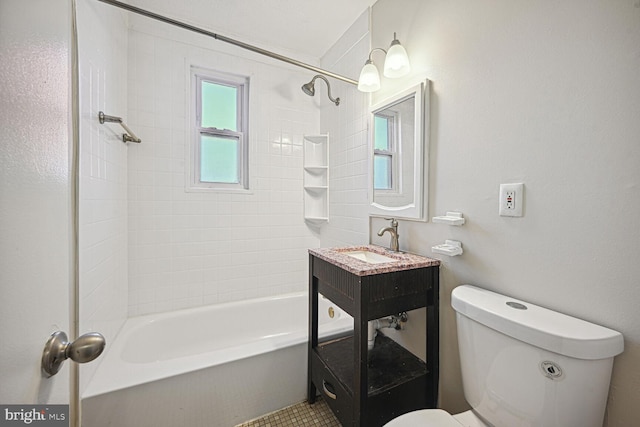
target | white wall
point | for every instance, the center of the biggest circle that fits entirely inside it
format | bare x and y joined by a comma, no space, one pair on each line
102,57
189,249
547,94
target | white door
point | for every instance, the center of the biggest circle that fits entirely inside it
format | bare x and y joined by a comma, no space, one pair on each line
36,242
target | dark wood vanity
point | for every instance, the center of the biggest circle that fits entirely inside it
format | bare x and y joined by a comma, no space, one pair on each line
369,388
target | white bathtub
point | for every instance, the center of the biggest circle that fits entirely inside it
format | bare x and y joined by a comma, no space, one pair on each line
210,366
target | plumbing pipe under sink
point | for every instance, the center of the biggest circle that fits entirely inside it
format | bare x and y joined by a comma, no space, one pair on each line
396,322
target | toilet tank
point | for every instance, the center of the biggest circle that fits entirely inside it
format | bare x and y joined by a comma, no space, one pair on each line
524,365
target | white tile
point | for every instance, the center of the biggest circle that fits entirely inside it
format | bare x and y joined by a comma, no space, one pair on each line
212,234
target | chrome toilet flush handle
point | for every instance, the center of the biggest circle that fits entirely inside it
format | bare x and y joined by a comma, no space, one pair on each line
57,349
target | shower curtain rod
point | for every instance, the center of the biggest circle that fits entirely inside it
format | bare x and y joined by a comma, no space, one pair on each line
228,40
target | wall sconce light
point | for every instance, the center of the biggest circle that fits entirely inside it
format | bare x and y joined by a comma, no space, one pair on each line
396,64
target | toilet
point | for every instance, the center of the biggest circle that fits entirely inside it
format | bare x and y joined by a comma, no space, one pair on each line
525,366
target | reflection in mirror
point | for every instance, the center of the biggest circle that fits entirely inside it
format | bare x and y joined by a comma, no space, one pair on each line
397,155
393,153
383,151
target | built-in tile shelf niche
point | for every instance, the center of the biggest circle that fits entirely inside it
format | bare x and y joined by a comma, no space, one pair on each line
316,179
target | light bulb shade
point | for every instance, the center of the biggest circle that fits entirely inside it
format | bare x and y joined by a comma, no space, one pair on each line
396,64
369,80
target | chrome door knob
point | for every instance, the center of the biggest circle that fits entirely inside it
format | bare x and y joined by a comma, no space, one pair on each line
57,349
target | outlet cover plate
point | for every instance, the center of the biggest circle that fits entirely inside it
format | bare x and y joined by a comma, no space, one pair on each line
511,199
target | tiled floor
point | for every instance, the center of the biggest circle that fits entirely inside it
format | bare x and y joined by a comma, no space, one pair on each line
299,415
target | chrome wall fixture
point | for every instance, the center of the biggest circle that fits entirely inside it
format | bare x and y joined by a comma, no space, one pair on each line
129,136
396,64
309,88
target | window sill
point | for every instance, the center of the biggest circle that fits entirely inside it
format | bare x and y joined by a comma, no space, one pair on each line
218,190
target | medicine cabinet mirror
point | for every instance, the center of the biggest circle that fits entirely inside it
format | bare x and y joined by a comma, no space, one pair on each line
398,155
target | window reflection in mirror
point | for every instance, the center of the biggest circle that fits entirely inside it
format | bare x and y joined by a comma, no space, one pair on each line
397,156
384,151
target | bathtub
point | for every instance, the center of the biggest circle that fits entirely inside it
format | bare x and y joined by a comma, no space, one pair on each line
214,366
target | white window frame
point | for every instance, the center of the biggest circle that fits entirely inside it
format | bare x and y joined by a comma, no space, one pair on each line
241,83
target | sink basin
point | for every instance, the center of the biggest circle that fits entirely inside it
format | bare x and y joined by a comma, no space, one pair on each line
370,257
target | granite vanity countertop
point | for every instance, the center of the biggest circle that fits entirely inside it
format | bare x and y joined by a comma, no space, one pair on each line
402,260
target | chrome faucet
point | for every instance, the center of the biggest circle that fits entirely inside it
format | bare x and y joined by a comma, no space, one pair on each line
393,231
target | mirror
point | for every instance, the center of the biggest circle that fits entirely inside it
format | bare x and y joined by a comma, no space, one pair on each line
398,155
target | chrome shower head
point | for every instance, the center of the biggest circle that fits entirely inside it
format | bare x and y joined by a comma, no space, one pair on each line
309,88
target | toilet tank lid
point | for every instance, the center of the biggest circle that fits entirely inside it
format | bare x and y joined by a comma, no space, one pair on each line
537,325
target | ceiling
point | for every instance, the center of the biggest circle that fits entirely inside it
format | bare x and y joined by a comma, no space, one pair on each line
304,28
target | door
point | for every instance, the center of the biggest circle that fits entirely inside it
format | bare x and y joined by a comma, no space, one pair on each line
36,210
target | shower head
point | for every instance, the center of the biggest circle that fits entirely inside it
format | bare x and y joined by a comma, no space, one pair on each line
309,88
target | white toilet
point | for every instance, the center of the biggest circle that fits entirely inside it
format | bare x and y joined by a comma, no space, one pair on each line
525,366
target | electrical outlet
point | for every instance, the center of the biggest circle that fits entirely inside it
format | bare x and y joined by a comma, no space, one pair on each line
511,199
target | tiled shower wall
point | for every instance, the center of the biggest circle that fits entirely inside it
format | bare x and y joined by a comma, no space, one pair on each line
188,249
102,48
347,125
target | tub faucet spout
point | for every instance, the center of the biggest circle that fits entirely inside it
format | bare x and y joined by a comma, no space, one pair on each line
393,231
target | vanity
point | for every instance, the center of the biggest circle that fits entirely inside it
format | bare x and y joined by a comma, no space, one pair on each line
370,387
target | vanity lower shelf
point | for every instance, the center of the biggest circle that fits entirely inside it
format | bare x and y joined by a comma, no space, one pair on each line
386,357
396,379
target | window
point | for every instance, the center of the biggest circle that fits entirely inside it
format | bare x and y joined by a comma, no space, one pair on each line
384,152
219,150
